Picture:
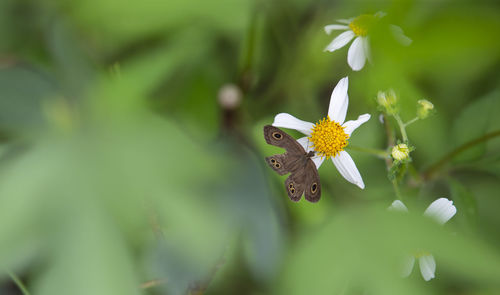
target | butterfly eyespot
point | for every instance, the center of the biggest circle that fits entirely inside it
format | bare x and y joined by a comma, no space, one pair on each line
290,185
277,165
314,187
277,135
292,190
273,161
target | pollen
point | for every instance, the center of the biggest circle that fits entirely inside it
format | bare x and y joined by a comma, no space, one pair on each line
361,24
328,138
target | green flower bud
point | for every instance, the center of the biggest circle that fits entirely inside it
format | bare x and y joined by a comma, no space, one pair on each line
424,108
388,101
400,152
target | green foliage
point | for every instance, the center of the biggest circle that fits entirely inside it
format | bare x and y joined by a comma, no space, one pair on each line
121,173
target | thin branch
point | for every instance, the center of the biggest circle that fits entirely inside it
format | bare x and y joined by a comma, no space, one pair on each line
429,172
18,282
152,283
401,127
411,121
376,152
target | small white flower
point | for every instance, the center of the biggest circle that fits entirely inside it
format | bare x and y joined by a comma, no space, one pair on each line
328,137
440,210
359,27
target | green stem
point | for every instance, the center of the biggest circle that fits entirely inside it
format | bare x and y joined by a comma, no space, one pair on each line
411,121
388,161
18,283
401,127
429,172
376,152
396,189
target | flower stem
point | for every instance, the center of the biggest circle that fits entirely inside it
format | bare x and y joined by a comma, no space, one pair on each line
429,172
18,283
395,186
152,283
401,127
376,152
411,121
388,161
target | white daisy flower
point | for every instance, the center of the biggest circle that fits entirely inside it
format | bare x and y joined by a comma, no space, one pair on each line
329,136
359,27
440,210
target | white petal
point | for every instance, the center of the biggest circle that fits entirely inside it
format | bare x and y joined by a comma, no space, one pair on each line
345,20
340,41
347,168
381,118
330,28
356,55
339,101
441,210
308,146
427,267
352,125
288,121
318,161
305,143
408,265
398,206
367,49
400,36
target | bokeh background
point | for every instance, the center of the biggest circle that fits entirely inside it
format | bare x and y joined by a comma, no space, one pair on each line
132,153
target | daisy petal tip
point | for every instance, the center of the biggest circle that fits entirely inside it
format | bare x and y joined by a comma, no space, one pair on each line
286,120
408,266
340,41
441,210
356,57
360,183
397,205
345,80
427,267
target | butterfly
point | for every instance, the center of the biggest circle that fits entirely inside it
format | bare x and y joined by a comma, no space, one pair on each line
304,177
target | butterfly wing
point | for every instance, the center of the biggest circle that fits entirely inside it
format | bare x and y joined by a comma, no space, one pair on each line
277,162
279,138
289,161
295,186
312,185
304,176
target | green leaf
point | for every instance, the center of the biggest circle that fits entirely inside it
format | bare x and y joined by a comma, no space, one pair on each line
464,201
364,249
473,122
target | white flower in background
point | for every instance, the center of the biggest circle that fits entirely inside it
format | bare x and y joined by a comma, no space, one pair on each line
359,28
440,210
329,136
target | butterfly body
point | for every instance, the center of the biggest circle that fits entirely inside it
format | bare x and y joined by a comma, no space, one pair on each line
304,178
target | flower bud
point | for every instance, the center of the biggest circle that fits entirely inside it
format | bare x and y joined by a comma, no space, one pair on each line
424,108
388,101
400,152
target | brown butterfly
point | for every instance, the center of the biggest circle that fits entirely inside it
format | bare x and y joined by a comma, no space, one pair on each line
304,178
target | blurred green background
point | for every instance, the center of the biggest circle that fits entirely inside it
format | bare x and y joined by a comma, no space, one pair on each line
132,153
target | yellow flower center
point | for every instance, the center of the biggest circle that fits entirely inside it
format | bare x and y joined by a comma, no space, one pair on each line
361,24
328,138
